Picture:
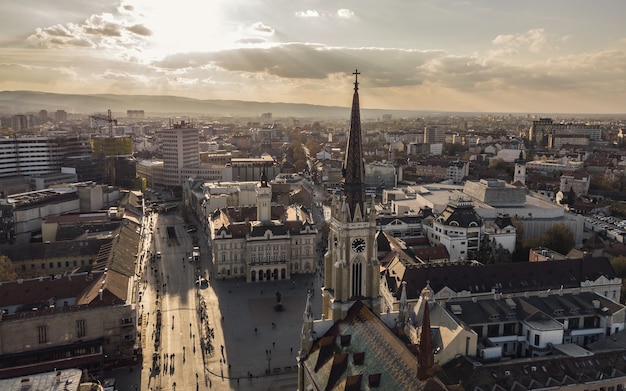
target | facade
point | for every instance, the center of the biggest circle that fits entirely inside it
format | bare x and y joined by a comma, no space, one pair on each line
530,326
42,182
78,321
578,182
180,148
250,169
262,242
434,135
457,171
459,228
37,155
545,130
563,165
471,280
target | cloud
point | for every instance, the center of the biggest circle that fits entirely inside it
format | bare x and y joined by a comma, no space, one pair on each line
139,29
534,40
261,28
345,13
308,14
250,41
384,68
119,30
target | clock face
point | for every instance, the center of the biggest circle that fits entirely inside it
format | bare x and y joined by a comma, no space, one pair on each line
358,245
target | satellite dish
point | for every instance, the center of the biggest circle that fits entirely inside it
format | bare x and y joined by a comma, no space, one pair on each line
559,197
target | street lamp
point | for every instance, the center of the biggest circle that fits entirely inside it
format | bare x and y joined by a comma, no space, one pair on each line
268,357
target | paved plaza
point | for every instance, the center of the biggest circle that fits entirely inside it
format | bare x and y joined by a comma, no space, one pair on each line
253,331
254,346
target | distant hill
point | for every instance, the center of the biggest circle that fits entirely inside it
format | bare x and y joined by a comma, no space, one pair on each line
17,102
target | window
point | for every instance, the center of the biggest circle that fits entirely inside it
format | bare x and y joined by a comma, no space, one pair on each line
81,329
42,333
536,339
356,279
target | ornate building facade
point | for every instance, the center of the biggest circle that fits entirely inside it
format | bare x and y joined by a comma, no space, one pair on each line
263,243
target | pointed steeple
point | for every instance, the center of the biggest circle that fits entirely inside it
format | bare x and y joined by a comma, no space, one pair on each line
426,358
306,334
404,306
353,166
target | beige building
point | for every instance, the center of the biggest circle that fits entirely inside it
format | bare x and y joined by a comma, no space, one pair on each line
263,242
84,320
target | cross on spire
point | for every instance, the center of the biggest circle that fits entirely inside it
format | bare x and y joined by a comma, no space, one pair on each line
356,74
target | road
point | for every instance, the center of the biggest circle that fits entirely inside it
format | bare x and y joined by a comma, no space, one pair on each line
169,289
259,344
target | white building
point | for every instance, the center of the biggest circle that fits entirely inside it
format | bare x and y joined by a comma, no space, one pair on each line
458,227
180,149
491,198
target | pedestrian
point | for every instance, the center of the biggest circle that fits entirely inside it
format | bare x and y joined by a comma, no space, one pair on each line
255,331
273,344
291,350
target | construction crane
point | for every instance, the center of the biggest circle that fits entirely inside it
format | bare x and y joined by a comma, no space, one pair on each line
107,119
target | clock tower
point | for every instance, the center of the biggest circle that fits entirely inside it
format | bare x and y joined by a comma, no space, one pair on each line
351,270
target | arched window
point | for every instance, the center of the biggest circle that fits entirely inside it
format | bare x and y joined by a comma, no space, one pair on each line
357,273
253,276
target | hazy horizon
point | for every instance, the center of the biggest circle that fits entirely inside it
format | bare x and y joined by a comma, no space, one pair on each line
437,55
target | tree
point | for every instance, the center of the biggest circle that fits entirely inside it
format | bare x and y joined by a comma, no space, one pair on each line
7,269
498,164
492,252
619,266
618,209
558,238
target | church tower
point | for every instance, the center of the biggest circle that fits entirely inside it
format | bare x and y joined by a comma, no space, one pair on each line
351,270
520,169
264,200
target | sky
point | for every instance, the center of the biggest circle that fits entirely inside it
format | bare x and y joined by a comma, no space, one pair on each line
559,56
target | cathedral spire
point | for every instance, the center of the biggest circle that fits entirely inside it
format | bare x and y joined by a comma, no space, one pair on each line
426,358
354,166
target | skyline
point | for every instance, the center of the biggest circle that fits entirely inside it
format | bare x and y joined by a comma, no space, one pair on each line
437,55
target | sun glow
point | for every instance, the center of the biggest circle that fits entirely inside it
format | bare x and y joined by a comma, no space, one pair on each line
177,30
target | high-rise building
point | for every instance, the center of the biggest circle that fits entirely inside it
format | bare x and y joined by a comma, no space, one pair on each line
36,155
180,149
434,135
60,116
